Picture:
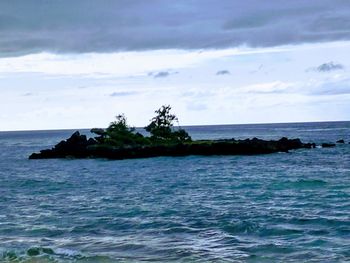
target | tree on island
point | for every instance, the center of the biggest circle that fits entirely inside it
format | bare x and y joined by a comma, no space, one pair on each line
161,127
119,133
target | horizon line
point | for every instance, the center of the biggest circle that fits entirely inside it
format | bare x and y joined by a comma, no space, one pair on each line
184,126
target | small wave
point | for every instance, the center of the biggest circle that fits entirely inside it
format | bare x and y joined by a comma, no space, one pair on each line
33,254
322,129
299,184
31,183
46,254
67,253
310,183
242,227
280,231
179,230
270,248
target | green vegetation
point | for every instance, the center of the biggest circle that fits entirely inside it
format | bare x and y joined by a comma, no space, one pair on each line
119,133
161,129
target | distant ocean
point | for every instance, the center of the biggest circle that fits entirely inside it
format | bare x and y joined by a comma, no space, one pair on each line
284,207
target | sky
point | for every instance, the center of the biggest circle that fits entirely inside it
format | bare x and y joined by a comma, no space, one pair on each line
77,64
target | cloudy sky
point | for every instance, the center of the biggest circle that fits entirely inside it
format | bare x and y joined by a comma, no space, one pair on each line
77,64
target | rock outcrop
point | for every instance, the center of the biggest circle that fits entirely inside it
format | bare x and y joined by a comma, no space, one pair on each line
78,146
327,145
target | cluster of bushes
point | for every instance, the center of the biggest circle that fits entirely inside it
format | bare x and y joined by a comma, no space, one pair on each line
161,130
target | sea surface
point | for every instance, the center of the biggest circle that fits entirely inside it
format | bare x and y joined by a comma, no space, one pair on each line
283,207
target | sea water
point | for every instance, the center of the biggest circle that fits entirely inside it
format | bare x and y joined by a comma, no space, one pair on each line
283,207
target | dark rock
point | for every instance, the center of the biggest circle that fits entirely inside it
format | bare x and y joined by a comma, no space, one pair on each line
34,251
310,145
328,145
341,141
77,146
91,141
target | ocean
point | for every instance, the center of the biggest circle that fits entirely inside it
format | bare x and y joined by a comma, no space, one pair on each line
283,207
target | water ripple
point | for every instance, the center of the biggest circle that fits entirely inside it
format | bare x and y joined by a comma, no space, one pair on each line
270,208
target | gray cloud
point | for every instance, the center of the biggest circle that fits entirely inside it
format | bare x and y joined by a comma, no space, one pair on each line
223,72
28,94
106,25
333,88
330,66
122,93
162,74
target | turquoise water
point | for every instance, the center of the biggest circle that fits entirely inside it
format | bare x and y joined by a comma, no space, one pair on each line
271,208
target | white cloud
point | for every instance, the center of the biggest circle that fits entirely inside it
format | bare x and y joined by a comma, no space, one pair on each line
281,91
271,87
104,65
127,64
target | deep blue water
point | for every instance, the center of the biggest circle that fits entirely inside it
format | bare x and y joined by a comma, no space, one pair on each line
270,208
